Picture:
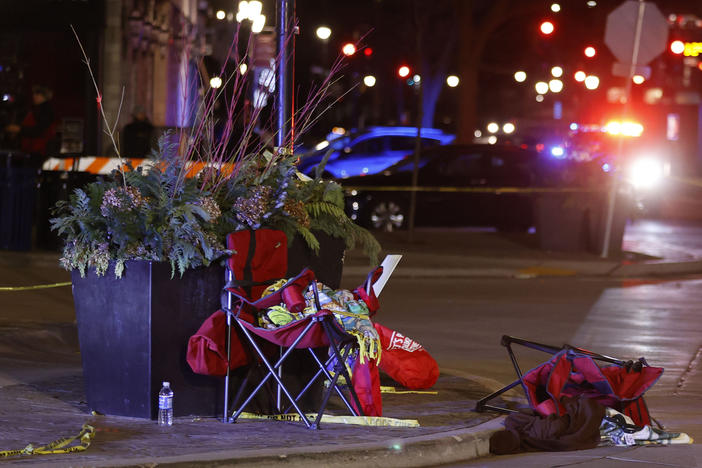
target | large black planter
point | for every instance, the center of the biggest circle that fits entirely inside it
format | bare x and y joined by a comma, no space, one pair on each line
133,335
134,331
327,266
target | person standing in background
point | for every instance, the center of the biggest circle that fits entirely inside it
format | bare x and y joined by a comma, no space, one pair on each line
137,135
37,131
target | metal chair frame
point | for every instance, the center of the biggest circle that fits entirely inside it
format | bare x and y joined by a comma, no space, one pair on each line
341,345
507,341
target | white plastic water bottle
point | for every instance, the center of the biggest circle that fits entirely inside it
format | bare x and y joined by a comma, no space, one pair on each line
165,405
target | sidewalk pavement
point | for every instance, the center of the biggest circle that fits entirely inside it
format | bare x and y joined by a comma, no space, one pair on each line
42,397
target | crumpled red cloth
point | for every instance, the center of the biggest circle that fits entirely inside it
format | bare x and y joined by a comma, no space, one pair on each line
577,429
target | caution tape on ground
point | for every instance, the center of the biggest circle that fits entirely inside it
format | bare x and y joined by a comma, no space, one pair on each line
688,181
83,439
334,419
384,389
497,190
36,286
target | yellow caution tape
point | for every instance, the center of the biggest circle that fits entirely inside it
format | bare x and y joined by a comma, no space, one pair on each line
84,438
688,180
497,190
38,286
384,389
329,418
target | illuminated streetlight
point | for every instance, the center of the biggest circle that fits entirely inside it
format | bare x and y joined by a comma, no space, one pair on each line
478,133
555,7
216,82
539,98
557,72
417,78
508,128
349,49
251,11
590,51
323,33
580,76
541,87
520,76
492,139
403,71
556,86
452,81
546,28
592,82
369,80
492,127
591,3
221,14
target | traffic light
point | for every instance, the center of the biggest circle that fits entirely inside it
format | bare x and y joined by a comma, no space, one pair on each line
547,28
367,51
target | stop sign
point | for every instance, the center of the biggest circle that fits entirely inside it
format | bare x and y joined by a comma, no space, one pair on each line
621,32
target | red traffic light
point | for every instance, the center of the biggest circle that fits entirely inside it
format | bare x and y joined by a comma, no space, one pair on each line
367,51
547,28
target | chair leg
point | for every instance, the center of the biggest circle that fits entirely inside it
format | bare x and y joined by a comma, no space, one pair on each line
342,367
272,373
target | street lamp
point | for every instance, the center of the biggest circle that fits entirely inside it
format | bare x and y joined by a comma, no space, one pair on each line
541,87
323,32
556,86
369,80
220,15
492,127
508,128
579,76
557,72
520,76
251,11
452,81
592,82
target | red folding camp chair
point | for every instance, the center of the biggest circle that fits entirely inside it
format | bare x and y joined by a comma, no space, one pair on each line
573,371
242,303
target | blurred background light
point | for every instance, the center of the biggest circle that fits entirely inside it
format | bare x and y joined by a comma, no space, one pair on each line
323,32
452,81
541,87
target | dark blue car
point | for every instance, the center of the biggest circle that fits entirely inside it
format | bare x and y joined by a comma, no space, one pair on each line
368,151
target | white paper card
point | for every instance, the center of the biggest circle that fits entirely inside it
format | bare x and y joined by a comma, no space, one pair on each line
389,264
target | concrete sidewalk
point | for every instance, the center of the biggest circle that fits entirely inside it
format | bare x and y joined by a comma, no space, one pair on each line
41,383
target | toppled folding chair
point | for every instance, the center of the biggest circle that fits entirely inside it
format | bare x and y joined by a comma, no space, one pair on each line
573,371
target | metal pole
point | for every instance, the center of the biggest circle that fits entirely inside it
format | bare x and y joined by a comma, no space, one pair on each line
615,182
282,75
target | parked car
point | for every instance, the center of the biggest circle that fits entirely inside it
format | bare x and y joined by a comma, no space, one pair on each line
458,185
368,151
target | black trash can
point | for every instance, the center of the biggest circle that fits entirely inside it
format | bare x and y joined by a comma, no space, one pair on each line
18,186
